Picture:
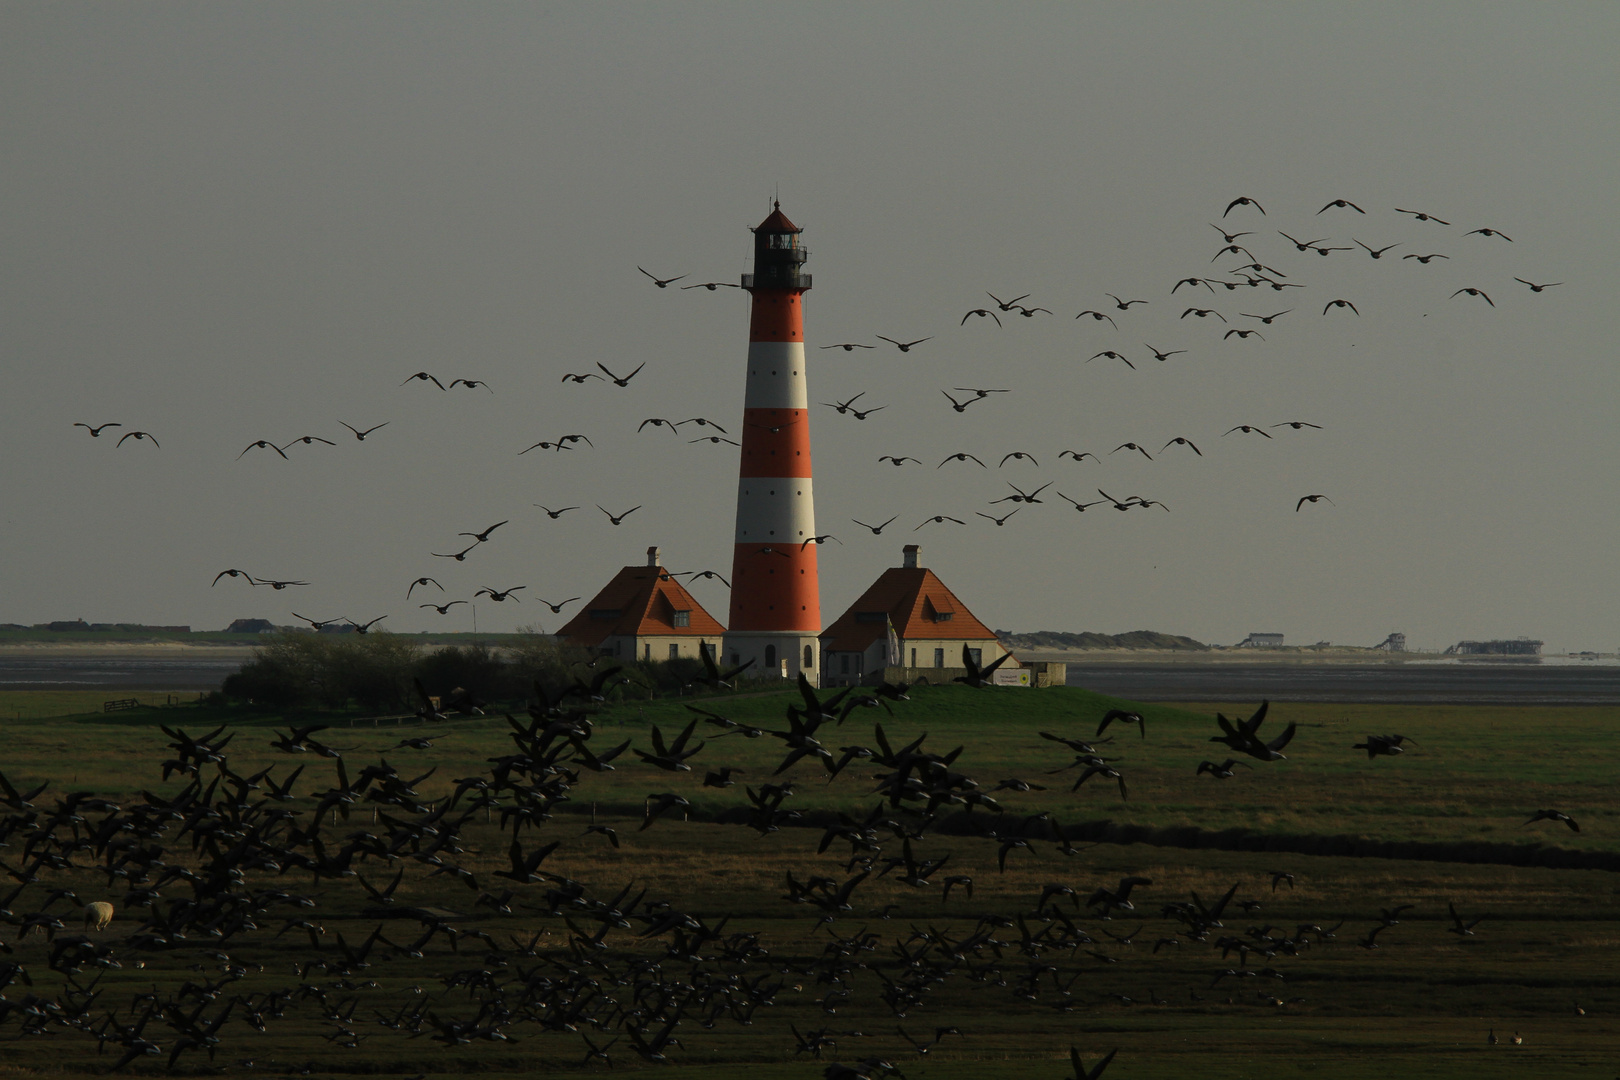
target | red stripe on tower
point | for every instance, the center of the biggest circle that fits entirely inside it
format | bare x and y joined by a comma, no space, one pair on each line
775,596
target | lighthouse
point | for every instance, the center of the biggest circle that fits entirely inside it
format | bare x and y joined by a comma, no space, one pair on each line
775,597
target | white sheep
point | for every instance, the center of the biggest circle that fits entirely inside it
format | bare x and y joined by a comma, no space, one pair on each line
98,915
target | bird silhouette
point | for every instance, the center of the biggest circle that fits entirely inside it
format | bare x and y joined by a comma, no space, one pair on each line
1162,356
1470,291
624,381
903,346
262,444
662,283
422,581
1489,232
877,530
1340,304
1203,313
620,517
1533,288
1424,259
1422,217
359,435
556,609
711,285
849,346
1180,440
981,313
95,432
1377,253
1311,499
425,377
1098,316
555,514
939,519
961,456
1340,203
1242,200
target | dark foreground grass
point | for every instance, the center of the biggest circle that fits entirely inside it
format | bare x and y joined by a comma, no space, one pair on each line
1419,1005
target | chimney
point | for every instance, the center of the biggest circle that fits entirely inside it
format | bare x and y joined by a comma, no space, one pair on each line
652,556
908,556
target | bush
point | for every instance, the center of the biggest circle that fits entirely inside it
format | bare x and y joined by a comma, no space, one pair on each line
304,670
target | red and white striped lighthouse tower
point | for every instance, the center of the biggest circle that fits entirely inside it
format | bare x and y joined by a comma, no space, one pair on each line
775,597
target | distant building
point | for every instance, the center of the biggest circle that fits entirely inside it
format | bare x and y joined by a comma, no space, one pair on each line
64,624
930,624
1393,643
1261,641
1516,647
644,614
251,626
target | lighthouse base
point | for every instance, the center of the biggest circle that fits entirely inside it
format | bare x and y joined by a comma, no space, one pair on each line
779,654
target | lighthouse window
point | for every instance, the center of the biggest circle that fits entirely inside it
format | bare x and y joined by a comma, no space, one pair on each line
809,658
786,241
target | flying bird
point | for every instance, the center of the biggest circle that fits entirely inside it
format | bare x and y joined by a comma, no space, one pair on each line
1301,245
960,406
720,439
1125,305
483,537
1340,203
138,436
1424,259
1228,237
1077,456
939,519
1533,288
1098,316
278,585
443,609
1377,253
460,556
1019,455
233,574
544,445
556,609
361,435
849,346
500,596
1242,200
1080,506
1340,304
422,581
657,421
1029,312
471,384
1297,424
95,432
1471,292
306,440
621,382
1247,429
1422,217
1243,334
662,283
580,379
1162,356
1267,319
897,461
877,530
999,520
981,313
824,537
1131,446
1311,499
262,444
622,516
1489,232
903,346
845,406
711,285
1112,355
555,514
1187,281
1181,441
425,377
1202,313
1553,815
1007,305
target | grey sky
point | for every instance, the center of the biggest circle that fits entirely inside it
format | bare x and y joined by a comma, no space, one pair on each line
234,222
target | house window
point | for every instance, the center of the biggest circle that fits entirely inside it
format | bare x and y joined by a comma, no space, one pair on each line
770,656
683,618
674,652
843,664
943,616
860,663
939,657
809,658
913,657
647,651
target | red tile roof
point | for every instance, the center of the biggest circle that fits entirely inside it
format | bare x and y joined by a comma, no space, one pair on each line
912,597
639,601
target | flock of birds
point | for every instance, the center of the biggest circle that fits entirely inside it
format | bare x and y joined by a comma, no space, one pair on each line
207,873
1251,261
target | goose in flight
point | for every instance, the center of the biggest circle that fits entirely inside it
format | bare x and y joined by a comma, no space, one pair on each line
1553,815
1203,313
1007,305
1243,334
422,375
95,432
904,346
1301,245
1022,496
1242,200
262,444
1297,424
1162,356
1019,455
1188,281
1422,217
1340,304
625,381
897,461
1471,292
579,379
1377,253
1228,237
877,530
556,609
361,435
1489,232
1098,316
1182,440
620,517
998,520
422,581
1424,259
1132,446
1247,429
711,285
500,596
961,456
1080,506
233,574
1266,319
483,537
845,406
981,313
1112,355
1311,499
443,609
940,519
849,346
662,283
1125,305
1078,455
555,514
471,384
1533,288
1341,203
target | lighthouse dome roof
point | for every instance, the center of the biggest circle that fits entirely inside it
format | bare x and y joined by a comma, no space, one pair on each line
777,222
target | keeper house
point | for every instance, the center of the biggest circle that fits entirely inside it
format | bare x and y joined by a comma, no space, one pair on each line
930,625
645,614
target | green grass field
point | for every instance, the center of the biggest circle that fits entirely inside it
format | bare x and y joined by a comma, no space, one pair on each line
1419,1005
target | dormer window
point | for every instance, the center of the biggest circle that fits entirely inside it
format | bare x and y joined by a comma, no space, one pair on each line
683,618
944,616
